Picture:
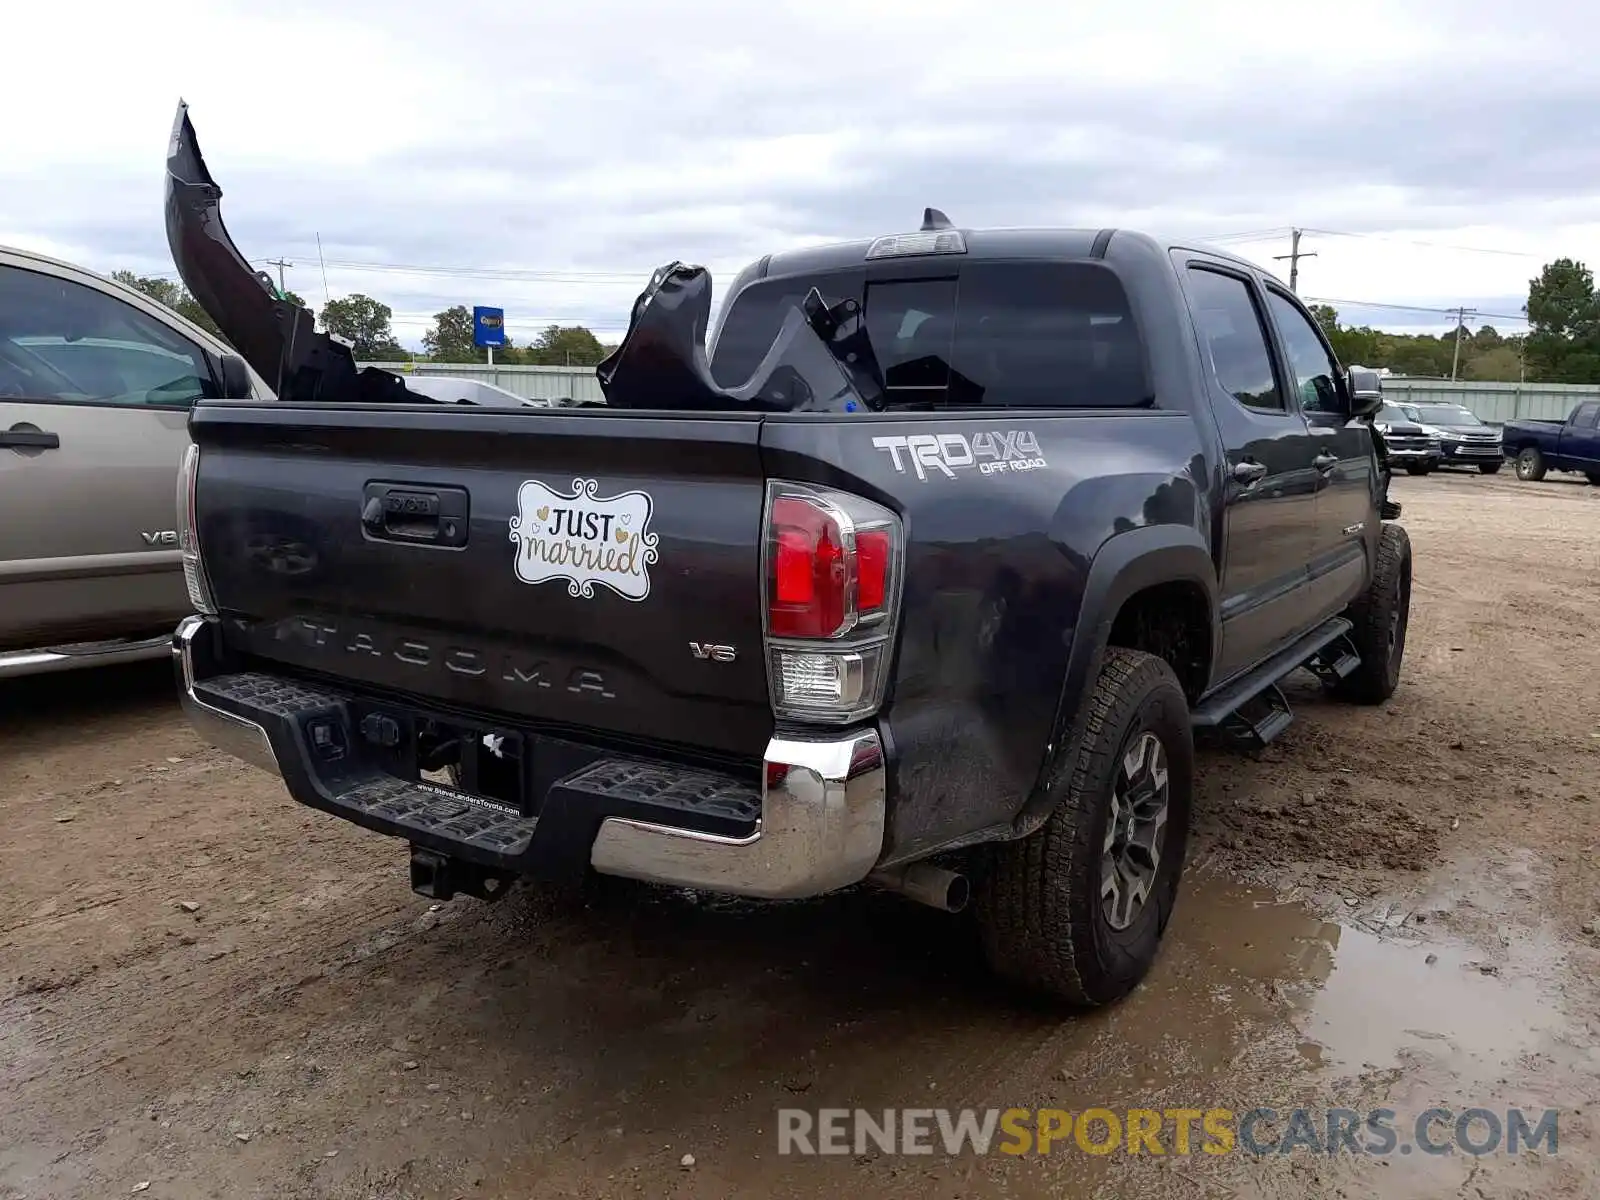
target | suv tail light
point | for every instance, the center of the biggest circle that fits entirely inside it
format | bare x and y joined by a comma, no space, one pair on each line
194,572
833,564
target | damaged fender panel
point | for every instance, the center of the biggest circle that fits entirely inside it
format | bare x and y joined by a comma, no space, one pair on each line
274,335
819,362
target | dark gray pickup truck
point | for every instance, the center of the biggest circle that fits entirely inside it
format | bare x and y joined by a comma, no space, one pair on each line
926,575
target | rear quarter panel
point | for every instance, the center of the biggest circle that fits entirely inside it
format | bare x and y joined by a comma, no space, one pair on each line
997,566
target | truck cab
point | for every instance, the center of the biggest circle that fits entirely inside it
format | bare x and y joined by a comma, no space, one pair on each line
1571,445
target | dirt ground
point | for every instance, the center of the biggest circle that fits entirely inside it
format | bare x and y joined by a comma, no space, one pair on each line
206,990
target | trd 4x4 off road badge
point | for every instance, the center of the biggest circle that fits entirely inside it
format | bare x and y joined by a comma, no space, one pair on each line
584,538
992,452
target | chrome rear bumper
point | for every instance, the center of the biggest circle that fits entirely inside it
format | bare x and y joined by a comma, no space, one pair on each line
821,829
233,735
822,823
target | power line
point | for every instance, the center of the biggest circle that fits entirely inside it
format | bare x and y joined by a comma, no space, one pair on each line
1461,317
1386,237
531,275
1249,235
1294,256
1416,308
280,263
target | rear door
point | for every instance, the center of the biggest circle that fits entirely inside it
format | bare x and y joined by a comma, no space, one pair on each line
1271,489
94,397
1580,439
1345,462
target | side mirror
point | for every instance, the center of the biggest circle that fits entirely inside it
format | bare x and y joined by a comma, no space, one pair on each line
235,377
1366,391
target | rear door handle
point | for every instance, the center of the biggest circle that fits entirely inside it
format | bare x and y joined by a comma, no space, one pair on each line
21,438
1249,472
1325,462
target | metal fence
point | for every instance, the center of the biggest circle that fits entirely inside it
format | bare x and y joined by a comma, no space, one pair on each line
1493,402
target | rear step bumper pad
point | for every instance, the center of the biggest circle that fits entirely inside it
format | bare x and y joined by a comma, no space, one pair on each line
821,810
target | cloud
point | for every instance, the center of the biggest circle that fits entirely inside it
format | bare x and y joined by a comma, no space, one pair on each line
608,137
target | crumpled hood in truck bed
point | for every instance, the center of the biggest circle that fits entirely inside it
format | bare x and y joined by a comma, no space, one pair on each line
819,362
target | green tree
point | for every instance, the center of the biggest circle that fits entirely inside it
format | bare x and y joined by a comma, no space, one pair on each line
1327,316
450,339
1563,344
365,323
171,293
1502,364
570,346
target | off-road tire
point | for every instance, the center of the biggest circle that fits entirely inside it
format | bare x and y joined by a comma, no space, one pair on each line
1489,468
1383,609
1594,478
1530,465
1039,908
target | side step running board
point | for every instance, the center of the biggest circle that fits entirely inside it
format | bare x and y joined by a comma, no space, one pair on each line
84,654
1253,710
1335,661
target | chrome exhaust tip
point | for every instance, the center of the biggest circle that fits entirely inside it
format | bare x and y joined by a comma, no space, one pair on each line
927,884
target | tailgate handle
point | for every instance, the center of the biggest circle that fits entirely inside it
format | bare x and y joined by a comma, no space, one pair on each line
427,516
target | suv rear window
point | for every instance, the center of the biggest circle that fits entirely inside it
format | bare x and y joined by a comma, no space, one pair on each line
998,334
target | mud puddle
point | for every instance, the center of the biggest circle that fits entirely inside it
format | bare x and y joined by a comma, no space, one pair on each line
1257,1004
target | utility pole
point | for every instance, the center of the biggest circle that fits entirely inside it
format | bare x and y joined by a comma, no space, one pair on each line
280,264
1462,313
1294,256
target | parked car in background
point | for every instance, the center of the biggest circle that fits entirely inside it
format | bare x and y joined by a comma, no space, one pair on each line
96,382
1407,441
1570,445
451,390
1464,440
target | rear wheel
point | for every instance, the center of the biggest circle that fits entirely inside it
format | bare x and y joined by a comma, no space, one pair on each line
1076,910
1490,468
1530,465
1380,618
1594,478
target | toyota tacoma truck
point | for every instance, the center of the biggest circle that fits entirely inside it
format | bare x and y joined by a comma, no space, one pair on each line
1570,445
923,570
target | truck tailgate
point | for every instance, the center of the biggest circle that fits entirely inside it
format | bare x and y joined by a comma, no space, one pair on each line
590,570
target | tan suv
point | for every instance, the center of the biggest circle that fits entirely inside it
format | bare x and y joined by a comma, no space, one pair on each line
96,381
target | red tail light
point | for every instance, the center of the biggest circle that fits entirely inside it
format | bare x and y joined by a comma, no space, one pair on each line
833,565
810,571
873,548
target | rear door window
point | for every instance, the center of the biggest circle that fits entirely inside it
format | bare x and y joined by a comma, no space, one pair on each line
998,334
1234,338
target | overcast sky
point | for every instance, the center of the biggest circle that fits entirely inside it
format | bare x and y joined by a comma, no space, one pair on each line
571,148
